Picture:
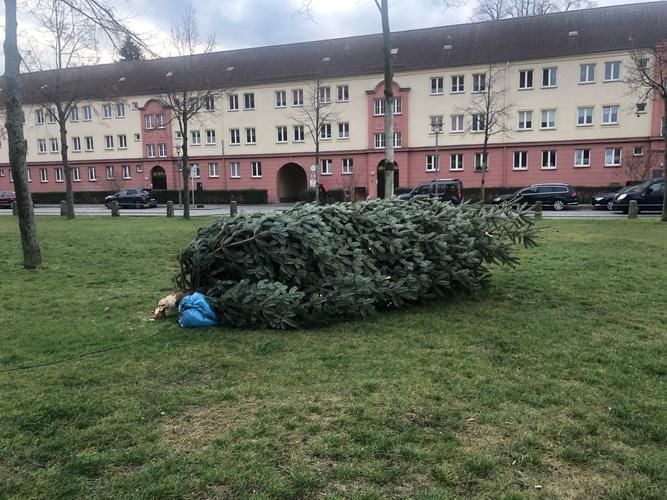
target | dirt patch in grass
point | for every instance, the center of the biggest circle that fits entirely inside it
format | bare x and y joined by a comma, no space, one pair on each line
199,427
566,481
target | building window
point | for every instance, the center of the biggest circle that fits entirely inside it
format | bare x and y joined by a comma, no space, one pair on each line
378,107
43,175
431,163
582,157
549,77
520,160
160,120
526,79
281,99
610,115
326,167
41,146
297,97
585,116
525,120
481,161
549,159
249,101
87,113
140,169
108,142
29,175
325,95
107,111
76,144
477,122
250,137
39,116
347,166
150,150
90,143
59,174
299,133
638,151
612,157
548,119
235,170
110,172
437,85
343,130
256,168
456,162
612,71
120,110
398,105
52,115
92,173
378,140
479,82
209,103
137,137
640,107
127,172
210,136
398,141
148,122
74,114
162,150
343,93
586,73
282,134
233,102
457,123
213,170
325,131
122,141
76,174
234,136
195,136
458,85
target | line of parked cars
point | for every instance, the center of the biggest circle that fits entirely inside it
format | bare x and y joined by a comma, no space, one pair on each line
648,195
132,198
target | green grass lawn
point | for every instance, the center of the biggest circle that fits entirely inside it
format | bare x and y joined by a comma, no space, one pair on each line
551,384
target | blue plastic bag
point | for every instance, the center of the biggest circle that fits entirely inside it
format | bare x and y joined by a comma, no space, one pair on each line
194,311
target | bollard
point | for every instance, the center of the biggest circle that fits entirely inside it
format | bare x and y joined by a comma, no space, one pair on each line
63,208
170,209
538,210
15,210
114,209
233,209
633,210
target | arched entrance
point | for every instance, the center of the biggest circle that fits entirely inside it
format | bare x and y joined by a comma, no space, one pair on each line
158,178
380,178
291,182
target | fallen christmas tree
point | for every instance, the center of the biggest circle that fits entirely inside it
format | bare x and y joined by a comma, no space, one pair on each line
314,264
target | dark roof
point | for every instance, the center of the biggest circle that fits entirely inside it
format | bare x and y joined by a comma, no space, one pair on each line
598,30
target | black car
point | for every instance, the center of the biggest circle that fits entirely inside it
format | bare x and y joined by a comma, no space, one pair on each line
605,200
7,198
648,195
441,189
556,195
133,198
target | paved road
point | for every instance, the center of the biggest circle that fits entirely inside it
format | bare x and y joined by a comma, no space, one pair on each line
218,210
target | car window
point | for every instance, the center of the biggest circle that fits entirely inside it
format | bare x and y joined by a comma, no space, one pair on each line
658,187
638,188
424,189
545,189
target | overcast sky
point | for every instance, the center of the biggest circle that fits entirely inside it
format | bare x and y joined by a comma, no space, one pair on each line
251,23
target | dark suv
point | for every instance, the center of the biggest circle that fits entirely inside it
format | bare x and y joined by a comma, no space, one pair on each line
441,189
553,194
7,198
133,198
647,194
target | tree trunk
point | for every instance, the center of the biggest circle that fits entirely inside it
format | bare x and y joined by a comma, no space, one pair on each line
185,167
32,256
316,136
388,104
69,187
664,163
485,164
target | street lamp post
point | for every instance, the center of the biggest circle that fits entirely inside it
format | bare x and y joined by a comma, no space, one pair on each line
179,163
436,128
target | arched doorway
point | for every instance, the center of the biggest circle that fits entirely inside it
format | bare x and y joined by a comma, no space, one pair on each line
158,178
380,178
291,182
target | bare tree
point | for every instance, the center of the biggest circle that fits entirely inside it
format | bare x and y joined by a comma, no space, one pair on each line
188,91
647,78
490,111
492,10
32,255
640,167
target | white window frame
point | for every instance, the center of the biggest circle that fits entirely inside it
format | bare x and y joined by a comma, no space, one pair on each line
545,124
76,144
87,112
281,134
120,110
525,120
378,140
55,145
478,123
110,172
122,141
613,109
281,99
213,170
613,156
256,169
76,174
126,172
638,151
551,157
378,106
195,138
524,76
522,164
325,94
162,150
326,167
108,142
250,135
347,166
41,146
457,124
90,143
235,170
612,71
550,76
481,161
297,98
431,163
209,103
74,114
582,158
149,123
397,105
585,116
233,102
478,83
210,136
59,174
159,120
343,93
150,150
299,133
235,136
457,84
437,85
39,117
587,70
325,131
43,175
249,101
343,130
398,139
456,162
107,111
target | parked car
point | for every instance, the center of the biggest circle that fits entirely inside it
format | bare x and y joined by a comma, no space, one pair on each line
647,194
7,198
133,198
555,195
442,189
605,200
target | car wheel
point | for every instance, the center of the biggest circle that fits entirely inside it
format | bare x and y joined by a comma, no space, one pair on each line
559,205
610,206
